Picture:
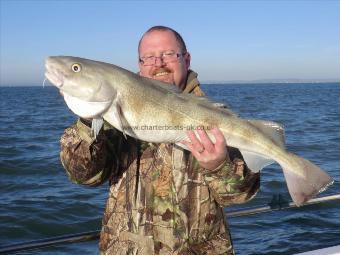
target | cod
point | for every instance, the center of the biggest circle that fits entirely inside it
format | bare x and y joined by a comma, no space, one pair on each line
157,112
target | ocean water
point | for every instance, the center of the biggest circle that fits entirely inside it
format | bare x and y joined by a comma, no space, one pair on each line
38,201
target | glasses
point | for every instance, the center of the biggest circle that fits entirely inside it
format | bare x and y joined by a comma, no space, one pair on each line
166,57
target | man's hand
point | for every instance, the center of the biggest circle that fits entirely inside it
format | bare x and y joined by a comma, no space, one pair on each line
209,155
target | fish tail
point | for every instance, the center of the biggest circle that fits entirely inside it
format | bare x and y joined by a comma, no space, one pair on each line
304,179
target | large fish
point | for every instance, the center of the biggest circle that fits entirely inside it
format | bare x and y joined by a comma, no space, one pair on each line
157,112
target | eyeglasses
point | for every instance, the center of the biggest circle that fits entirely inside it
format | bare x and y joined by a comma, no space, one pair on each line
167,57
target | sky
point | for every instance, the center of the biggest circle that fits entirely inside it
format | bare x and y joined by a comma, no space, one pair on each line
228,40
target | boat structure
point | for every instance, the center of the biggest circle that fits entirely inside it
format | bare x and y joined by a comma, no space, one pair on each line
277,203
335,250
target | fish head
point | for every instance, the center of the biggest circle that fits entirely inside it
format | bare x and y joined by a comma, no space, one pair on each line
83,83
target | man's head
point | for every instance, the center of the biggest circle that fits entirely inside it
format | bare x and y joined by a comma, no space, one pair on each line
163,56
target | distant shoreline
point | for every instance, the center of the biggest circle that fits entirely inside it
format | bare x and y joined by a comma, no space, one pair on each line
222,83
266,83
277,81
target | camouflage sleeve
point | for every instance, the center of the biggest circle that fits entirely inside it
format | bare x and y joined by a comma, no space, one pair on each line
232,182
91,161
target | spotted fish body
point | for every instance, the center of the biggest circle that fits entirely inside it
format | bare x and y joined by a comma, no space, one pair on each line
157,112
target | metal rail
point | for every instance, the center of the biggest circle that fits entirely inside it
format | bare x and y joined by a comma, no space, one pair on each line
277,203
46,242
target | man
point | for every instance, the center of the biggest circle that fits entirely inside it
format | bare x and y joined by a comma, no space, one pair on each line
163,199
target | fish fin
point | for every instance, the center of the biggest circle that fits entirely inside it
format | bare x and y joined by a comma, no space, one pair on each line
96,125
183,138
216,106
271,129
117,119
310,181
121,118
254,161
183,146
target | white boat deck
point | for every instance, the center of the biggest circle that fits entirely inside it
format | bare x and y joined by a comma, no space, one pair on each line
335,250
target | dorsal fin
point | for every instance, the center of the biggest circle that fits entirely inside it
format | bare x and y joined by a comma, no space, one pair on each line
271,129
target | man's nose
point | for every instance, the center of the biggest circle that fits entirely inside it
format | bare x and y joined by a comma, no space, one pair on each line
159,61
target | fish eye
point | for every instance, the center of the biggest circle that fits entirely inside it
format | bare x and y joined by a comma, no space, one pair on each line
76,67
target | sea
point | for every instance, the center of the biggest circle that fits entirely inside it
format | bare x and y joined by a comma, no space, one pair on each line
38,201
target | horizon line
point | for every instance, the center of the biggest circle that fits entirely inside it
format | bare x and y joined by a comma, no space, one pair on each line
217,82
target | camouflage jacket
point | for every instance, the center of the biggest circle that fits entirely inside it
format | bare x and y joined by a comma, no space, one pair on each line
161,201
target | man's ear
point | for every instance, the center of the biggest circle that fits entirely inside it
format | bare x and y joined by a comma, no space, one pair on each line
140,67
187,59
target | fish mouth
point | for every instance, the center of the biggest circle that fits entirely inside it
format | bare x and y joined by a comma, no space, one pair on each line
54,76
54,79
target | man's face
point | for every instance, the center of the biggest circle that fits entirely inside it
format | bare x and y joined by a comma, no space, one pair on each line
156,43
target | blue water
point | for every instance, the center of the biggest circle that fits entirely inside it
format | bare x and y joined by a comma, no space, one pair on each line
38,201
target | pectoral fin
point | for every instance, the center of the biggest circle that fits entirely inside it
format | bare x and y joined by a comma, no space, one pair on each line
117,119
121,120
96,125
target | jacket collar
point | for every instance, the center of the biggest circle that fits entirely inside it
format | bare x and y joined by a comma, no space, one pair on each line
192,82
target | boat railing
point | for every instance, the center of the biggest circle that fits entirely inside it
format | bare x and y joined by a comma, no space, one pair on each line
276,203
